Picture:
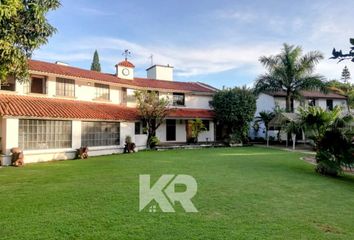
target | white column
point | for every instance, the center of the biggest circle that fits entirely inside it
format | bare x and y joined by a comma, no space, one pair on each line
9,138
9,134
76,134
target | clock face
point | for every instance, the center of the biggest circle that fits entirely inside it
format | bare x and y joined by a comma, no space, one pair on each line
125,71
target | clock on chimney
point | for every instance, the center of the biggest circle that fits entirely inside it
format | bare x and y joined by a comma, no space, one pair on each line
125,71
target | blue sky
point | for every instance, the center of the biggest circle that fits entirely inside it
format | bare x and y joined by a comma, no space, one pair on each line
216,42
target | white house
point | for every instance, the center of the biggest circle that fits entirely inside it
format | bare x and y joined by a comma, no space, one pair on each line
270,101
62,108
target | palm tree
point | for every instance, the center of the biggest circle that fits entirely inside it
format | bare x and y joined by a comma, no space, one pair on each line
265,117
290,72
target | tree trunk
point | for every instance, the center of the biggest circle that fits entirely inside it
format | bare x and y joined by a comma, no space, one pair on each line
293,136
267,137
288,103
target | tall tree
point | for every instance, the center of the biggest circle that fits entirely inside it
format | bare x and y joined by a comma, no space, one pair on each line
290,72
152,109
345,75
95,65
23,28
235,108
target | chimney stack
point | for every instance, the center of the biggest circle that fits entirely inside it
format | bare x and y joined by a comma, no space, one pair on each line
160,72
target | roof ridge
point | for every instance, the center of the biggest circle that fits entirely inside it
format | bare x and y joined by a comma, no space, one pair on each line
72,71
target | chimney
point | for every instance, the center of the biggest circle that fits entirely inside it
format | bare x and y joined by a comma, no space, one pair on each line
61,63
160,72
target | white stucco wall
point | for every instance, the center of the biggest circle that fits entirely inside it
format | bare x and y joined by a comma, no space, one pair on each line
180,132
207,136
197,101
160,73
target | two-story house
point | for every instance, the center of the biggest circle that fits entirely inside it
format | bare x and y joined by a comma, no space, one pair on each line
62,108
271,101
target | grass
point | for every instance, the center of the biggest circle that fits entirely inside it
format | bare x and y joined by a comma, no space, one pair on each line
243,193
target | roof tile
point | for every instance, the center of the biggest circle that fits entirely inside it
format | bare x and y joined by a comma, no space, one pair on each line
144,83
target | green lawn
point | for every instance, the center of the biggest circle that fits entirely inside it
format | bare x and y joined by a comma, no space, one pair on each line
243,193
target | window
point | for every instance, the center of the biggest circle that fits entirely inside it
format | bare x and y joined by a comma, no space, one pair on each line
329,104
100,133
171,130
312,102
8,85
102,91
206,124
44,134
65,87
137,128
178,99
38,85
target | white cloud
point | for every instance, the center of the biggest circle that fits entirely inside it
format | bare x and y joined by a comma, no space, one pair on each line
94,11
243,16
188,61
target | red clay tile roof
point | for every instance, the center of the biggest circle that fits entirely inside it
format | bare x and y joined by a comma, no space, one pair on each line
28,106
191,113
312,94
45,67
126,63
44,107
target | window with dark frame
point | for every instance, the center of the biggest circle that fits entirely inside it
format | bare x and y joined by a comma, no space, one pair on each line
100,133
206,124
178,99
312,102
137,128
65,87
38,85
44,134
329,104
102,91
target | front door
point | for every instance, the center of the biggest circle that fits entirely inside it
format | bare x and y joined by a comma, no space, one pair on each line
170,130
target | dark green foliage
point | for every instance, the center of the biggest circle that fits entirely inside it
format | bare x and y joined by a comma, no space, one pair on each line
291,72
95,65
345,74
345,88
335,151
235,108
332,135
23,28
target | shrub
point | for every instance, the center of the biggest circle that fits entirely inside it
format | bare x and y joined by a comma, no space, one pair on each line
153,142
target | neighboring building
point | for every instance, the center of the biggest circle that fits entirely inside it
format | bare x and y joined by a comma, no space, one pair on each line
271,101
63,108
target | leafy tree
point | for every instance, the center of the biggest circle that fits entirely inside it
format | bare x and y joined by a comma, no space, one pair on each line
265,117
153,110
291,72
197,126
343,89
317,120
23,28
333,136
95,65
235,108
345,75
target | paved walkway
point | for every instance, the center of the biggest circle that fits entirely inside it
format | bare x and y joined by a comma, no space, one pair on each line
300,148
